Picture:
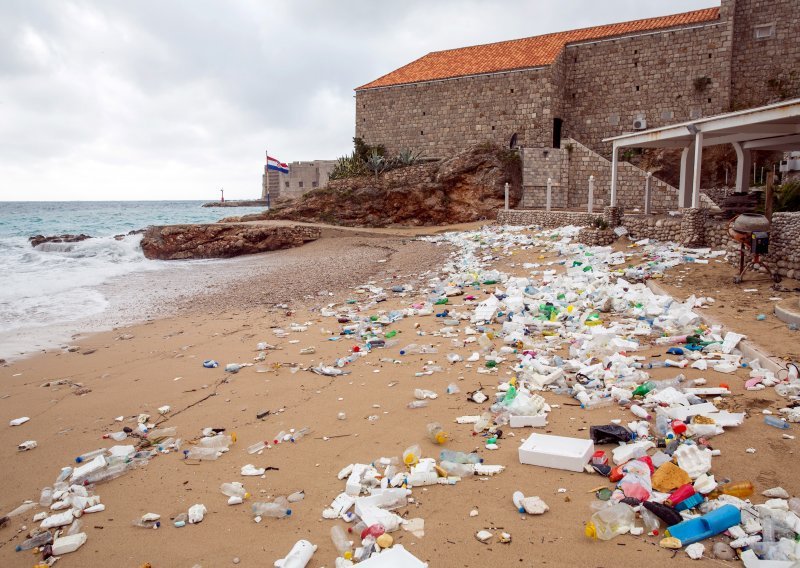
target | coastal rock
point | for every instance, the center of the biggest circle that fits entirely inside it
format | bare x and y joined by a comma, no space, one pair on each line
177,242
41,239
466,187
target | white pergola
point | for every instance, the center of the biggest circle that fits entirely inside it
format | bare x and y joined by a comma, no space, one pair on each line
771,127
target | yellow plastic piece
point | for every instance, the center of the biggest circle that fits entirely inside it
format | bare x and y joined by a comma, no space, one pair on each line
590,530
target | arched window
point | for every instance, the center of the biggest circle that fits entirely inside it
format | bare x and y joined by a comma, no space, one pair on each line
513,143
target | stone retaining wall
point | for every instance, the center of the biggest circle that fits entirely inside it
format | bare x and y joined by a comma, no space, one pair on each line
693,228
546,219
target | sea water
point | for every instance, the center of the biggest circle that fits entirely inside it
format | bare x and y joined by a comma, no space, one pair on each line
50,292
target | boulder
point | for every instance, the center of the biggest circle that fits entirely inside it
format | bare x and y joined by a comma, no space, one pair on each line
179,242
41,239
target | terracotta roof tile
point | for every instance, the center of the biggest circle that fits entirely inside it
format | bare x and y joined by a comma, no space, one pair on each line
522,53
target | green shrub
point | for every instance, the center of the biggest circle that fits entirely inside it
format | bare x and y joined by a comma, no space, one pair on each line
788,197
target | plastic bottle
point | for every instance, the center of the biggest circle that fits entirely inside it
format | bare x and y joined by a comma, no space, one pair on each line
598,402
680,494
517,498
482,423
46,499
147,524
234,489
162,432
640,412
422,394
200,453
218,442
357,528
90,455
459,457
35,541
341,543
299,434
437,434
412,454
417,404
409,349
116,436
279,437
652,524
452,388
644,388
742,490
274,510
776,422
607,523
257,447
672,340
458,469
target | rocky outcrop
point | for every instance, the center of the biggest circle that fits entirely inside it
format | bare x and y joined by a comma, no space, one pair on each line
178,242
41,239
467,187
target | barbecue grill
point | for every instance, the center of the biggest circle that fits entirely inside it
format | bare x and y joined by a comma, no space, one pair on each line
751,231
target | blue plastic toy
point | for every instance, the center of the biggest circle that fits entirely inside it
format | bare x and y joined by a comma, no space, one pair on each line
710,524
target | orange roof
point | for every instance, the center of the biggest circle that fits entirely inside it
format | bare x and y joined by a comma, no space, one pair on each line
522,53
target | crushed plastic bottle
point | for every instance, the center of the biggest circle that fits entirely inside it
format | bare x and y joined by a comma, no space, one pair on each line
274,510
611,521
437,434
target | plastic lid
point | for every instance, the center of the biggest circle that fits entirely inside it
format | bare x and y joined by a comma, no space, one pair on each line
590,530
288,512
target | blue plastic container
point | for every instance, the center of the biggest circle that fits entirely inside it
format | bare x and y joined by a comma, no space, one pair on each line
710,524
689,502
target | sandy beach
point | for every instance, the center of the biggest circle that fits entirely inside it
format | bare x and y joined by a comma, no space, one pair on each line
137,369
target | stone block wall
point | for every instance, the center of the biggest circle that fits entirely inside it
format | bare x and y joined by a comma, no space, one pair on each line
651,76
583,162
443,117
766,51
539,165
546,219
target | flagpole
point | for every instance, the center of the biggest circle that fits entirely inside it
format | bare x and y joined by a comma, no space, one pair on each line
268,200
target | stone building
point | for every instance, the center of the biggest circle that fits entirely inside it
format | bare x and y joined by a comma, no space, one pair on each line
302,177
586,84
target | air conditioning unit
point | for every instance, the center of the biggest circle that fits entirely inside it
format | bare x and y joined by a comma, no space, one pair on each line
640,124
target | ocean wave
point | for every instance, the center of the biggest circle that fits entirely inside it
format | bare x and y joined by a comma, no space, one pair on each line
53,283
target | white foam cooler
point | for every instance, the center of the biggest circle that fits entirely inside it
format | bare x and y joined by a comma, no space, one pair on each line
558,452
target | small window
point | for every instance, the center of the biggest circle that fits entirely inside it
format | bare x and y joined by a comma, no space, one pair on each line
637,88
635,51
421,132
709,56
512,90
709,100
423,113
574,95
300,184
765,31
314,184
492,127
636,64
287,185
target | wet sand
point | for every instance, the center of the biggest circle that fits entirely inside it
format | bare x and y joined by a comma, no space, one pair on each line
161,364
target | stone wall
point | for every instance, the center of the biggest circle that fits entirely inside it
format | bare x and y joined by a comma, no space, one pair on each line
546,219
658,228
539,165
765,69
692,229
442,117
650,76
630,182
599,87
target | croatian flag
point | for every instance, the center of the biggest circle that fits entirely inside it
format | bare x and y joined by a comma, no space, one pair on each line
277,165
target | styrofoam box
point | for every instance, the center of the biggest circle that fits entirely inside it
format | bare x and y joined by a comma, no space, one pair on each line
558,452
522,421
395,557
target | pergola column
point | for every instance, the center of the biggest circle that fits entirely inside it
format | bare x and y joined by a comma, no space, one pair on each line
614,158
697,167
685,181
744,162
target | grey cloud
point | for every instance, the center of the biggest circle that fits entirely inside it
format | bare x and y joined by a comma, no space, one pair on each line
154,88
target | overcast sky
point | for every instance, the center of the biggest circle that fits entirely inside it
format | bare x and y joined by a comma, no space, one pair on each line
167,99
